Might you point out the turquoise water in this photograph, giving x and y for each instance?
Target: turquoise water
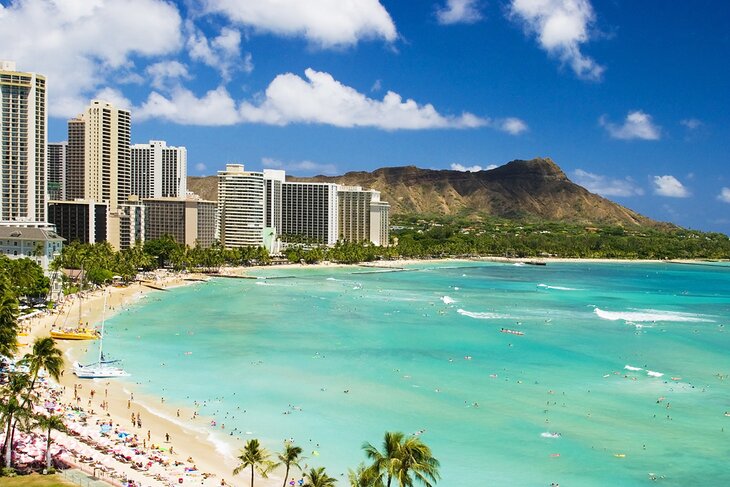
(421, 351)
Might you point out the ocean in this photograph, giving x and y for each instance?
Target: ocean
(621, 373)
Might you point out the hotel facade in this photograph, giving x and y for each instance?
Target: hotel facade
(23, 139)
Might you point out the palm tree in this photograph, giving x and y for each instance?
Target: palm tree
(416, 463)
(289, 457)
(364, 476)
(11, 407)
(50, 423)
(256, 457)
(317, 477)
(403, 459)
(385, 463)
(8, 319)
(45, 356)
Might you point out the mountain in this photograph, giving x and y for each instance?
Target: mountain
(519, 189)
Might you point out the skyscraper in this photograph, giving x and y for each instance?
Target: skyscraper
(158, 171)
(309, 212)
(98, 166)
(23, 137)
(57, 170)
(241, 206)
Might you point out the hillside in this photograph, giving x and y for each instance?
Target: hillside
(519, 189)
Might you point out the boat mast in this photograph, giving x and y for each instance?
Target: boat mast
(101, 338)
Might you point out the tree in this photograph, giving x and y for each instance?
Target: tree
(11, 408)
(385, 462)
(289, 457)
(416, 463)
(256, 457)
(45, 356)
(50, 423)
(317, 477)
(364, 476)
(401, 459)
(8, 319)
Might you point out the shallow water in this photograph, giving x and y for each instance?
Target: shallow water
(421, 351)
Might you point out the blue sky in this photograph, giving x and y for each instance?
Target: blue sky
(630, 98)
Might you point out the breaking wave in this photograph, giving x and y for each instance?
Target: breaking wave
(557, 288)
(481, 316)
(651, 315)
(447, 300)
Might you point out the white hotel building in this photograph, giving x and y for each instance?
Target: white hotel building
(23, 138)
(158, 171)
(241, 206)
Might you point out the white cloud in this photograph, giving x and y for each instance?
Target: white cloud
(200, 167)
(691, 123)
(182, 106)
(605, 186)
(512, 125)
(321, 99)
(165, 72)
(637, 125)
(115, 97)
(327, 23)
(459, 11)
(301, 168)
(474, 168)
(79, 45)
(561, 26)
(377, 86)
(318, 99)
(724, 195)
(221, 53)
(669, 186)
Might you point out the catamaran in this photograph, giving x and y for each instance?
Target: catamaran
(101, 369)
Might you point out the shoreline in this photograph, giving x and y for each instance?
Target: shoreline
(190, 435)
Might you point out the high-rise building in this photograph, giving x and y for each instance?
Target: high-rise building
(98, 166)
(362, 216)
(80, 221)
(57, 170)
(23, 138)
(127, 224)
(309, 212)
(379, 223)
(241, 206)
(273, 179)
(190, 221)
(158, 171)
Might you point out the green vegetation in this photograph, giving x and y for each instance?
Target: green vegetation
(445, 236)
(35, 480)
(404, 461)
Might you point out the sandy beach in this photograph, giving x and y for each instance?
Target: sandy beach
(190, 437)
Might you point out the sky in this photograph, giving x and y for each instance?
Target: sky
(631, 99)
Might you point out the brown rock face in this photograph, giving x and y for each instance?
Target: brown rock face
(519, 189)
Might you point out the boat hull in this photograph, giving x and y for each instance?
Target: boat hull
(98, 372)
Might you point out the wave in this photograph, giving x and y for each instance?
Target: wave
(654, 374)
(651, 315)
(447, 300)
(629, 367)
(518, 264)
(548, 434)
(263, 283)
(481, 316)
(558, 288)
(331, 279)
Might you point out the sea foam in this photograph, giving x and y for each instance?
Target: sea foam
(447, 300)
(557, 288)
(481, 316)
(651, 315)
